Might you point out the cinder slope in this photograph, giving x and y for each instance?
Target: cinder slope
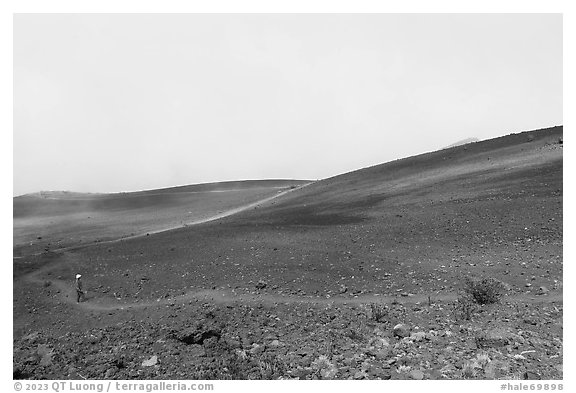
(292, 281)
(529, 162)
(414, 225)
(53, 220)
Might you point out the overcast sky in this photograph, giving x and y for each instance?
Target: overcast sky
(119, 102)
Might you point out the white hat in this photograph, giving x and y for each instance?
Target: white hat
(78, 275)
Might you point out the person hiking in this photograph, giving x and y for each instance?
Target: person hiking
(79, 291)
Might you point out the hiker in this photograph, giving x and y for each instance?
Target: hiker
(79, 292)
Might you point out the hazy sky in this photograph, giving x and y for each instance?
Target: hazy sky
(120, 102)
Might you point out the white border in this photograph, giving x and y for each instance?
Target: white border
(7, 8)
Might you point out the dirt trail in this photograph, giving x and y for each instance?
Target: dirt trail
(196, 222)
(148, 194)
(68, 295)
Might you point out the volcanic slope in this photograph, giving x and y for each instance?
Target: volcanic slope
(54, 220)
(311, 284)
(413, 226)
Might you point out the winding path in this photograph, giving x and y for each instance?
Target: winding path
(165, 229)
(68, 295)
(67, 292)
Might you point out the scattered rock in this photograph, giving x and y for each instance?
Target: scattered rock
(418, 336)
(233, 343)
(46, 360)
(559, 368)
(109, 373)
(416, 374)
(377, 372)
(324, 367)
(150, 362)
(199, 332)
(32, 337)
(542, 291)
(530, 321)
(401, 330)
(530, 375)
(196, 350)
(494, 338)
(382, 354)
(257, 349)
(45, 354)
(380, 342)
(301, 373)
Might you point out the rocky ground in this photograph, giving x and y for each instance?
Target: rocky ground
(201, 340)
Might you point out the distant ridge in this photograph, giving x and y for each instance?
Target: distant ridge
(59, 194)
(463, 142)
(200, 187)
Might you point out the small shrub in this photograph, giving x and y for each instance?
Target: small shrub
(324, 368)
(481, 367)
(354, 334)
(482, 359)
(271, 367)
(490, 371)
(402, 369)
(469, 370)
(378, 312)
(331, 343)
(119, 363)
(484, 291)
(465, 307)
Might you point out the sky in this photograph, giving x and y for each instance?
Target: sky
(125, 102)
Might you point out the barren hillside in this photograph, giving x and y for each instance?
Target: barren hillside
(313, 283)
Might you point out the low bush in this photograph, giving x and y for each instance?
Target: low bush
(484, 291)
(378, 312)
(465, 307)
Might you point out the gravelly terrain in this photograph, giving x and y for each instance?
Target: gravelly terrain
(253, 341)
(312, 284)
